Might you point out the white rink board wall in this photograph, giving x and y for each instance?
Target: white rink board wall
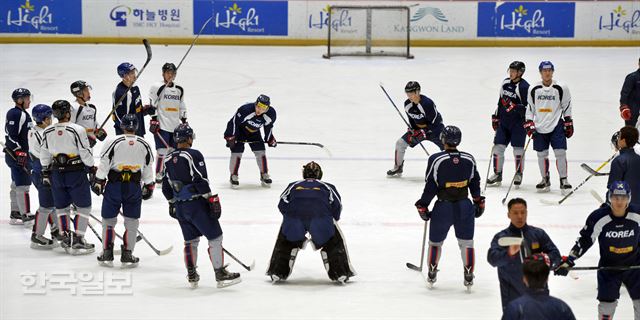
(306, 22)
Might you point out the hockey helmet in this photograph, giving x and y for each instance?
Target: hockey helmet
(20, 93)
(129, 122)
(619, 189)
(60, 108)
(546, 65)
(451, 135)
(183, 132)
(517, 65)
(614, 139)
(78, 86)
(41, 112)
(263, 102)
(169, 67)
(312, 170)
(124, 68)
(412, 86)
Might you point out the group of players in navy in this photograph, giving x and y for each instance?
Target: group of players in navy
(58, 159)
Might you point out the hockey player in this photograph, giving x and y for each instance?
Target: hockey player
(167, 101)
(508, 121)
(425, 121)
(536, 303)
(617, 229)
(509, 260)
(549, 121)
(185, 184)
(245, 126)
(17, 158)
(451, 174)
(132, 102)
(626, 166)
(125, 163)
(312, 206)
(84, 113)
(42, 116)
(66, 157)
(630, 99)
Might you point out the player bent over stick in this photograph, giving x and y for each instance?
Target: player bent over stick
(185, 184)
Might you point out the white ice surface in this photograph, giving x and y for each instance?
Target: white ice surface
(338, 103)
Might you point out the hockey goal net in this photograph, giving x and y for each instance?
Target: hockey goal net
(368, 31)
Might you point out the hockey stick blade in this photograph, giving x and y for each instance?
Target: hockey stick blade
(550, 202)
(596, 196)
(593, 172)
(509, 241)
(413, 267)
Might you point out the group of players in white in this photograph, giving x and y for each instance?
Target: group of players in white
(57, 157)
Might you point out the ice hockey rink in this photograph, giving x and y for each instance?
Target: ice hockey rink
(338, 103)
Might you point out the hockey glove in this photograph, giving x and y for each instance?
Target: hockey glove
(530, 126)
(231, 141)
(97, 186)
(183, 120)
(21, 157)
(46, 178)
(423, 210)
(92, 141)
(418, 135)
(172, 210)
(147, 190)
(214, 206)
(568, 127)
(495, 122)
(564, 267)
(154, 125)
(272, 142)
(625, 112)
(100, 134)
(148, 110)
(507, 104)
(478, 204)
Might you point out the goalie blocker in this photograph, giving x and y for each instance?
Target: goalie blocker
(310, 206)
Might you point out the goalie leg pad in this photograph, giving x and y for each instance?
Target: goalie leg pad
(336, 258)
(283, 257)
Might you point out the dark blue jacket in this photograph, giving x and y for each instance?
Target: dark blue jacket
(510, 267)
(132, 103)
(246, 123)
(423, 115)
(16, 128)
(450, 175)
(538, 305)
(618, 237)
(515, 92)
(626, 167)
(630, 93)
(186, 168)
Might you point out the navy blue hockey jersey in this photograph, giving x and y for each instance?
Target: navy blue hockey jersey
(538, 305)
(423, 115)
(515, 92)
(618, 237)
(450, 175)
(132, 103)
(250, 123)
(16, 129)
(184, 169)
(626, 167)
(310, 198)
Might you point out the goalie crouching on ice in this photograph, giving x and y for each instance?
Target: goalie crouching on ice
(313, 206)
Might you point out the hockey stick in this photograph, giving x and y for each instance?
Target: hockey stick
(424, 241)
(545, 201)
(488, 170)
(315, 144)
(510, 241)
(612, 268)
(504, 200)
(593, 172)
(12, 156)
(596, 196)
(249, 268)
(158, 252)
(115, 105)
(400, 114)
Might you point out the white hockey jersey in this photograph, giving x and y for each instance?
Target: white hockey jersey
(65, 138)
(85, 116)
(126, 152)
(36, 135)
(547, 105)
(169, 104)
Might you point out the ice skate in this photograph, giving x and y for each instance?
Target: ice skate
(517, 180)
(127, 258)
(495, 180)
(235, 183)
(565, 187)
(41, 243)
(106, 258)
(15, 218)
(79, 246)
(468, 278)
(432, 275)
(395, 172)
(225, 278)
(544, 185)
(28, 220)
(193, 277)
(265, 180)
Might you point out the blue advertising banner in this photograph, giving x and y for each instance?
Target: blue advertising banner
(41, 16)
(526, 19)
(248, 18)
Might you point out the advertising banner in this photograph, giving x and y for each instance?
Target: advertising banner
(41, 16)
(526, 19)
(245, 18)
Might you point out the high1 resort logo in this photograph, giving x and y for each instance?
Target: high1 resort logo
(337, 22)
(24, 16)
(618, 19)
(233, 16)
(429, 11)
(521, 20)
